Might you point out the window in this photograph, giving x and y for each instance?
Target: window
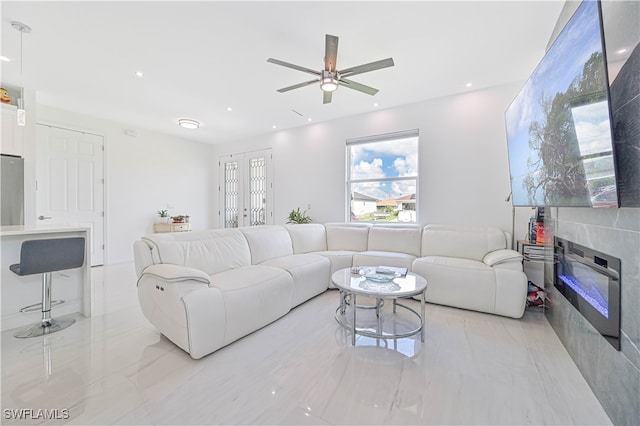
(382, 178)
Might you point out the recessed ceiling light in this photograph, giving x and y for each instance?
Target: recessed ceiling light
(139, 74)
(375, 104)
(273, 127)
(309, 119)
(229, 109)
(469, 84)
(4, 59)
(188, 123)
(621, 51)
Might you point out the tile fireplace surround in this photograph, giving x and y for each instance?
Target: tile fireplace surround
(613, 375)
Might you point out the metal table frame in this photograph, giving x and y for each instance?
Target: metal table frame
(348, 297)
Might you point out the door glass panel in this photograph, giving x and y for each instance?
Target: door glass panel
(257, 191)
(231, 195)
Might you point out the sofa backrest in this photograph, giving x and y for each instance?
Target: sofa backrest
(267, 242)
(459, 241)
(347, 236)
(210, 251)
(307, 237)
(396, 239)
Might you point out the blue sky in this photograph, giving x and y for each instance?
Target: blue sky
(393, 158)
(563, 62)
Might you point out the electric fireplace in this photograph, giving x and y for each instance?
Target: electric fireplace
(590, 280)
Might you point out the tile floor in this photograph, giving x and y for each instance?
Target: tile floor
(116, 369)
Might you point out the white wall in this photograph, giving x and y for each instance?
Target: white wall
(464, 172)
(143, 175)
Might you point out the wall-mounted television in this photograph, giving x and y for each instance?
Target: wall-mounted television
(559, 125)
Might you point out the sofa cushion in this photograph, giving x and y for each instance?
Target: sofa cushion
(339, 259)
(310, 273)
(211, 251)
(395, 239)
(253, 296)
(463, 283)
(461, 242)
(267, 242)
(307, 237)
(347, 236)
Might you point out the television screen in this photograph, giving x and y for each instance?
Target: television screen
(558, 126)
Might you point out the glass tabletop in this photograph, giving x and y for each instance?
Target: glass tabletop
(409, 285)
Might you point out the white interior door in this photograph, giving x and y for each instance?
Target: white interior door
(246, 188)
(70, 182)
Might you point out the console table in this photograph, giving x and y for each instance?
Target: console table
(171, 227)
(534, 257)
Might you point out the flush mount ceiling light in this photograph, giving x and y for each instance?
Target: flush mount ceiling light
(188, 123)
(329, 82)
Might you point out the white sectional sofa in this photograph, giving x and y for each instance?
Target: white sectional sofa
(206, 289)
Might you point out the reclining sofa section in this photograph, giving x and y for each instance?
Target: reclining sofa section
(205, 289)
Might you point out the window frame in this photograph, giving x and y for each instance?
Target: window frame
(349, 182)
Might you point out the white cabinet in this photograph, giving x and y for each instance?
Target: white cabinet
(11, 141)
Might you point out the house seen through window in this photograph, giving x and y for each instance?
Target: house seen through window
(382, 178)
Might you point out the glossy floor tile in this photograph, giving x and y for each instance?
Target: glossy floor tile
(116, 369)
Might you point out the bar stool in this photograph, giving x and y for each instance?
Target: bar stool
(43, 257)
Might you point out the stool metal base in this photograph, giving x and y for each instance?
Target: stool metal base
(45, 327)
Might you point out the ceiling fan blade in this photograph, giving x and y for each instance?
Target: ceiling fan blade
(372, 66)
(297, 86)
(293, 66)
(330, 53)
(326, 98)
(357, 86)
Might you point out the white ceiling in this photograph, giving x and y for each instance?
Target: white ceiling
(199, 58)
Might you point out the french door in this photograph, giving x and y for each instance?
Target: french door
(246, 189)
(70, 182)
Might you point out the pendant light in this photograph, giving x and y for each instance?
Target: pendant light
(23, 28)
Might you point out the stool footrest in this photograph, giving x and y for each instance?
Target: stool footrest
(38, 306)
(45, 327)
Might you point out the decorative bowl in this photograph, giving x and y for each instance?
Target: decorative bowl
(379, 275)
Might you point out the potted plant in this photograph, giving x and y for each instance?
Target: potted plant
(296, 216)
(164, 216)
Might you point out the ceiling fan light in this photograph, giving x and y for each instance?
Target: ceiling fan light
(328, 82)
(188, 123)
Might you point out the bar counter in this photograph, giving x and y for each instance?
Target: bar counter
(73, 286)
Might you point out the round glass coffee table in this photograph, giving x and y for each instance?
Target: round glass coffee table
(378, 283)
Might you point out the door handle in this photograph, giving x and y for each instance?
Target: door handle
(43, 217)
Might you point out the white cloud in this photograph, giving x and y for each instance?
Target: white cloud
(365, 170)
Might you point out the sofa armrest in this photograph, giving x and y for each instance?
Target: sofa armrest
(501, 256)
(174, 273)
(179, 302)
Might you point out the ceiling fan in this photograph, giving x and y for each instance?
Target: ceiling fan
(330, 78)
